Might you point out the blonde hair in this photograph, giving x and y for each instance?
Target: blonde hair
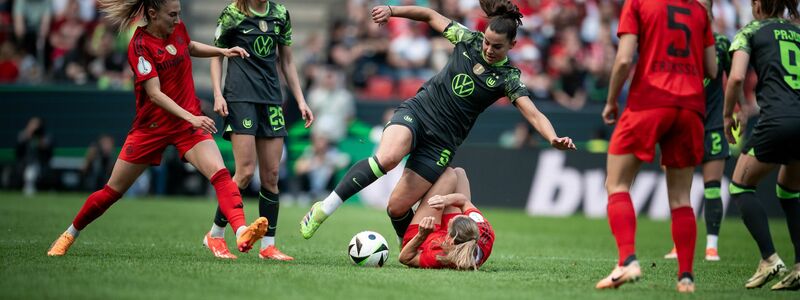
(124, 12)
(461, 254)
(243, 6)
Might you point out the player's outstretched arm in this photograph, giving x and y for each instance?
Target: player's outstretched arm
(409, 255)
(542, 124)
(619, 73)
(290, 73)
(710, 62)
(197, 49)
(152, 87)
(220, 105)
(734, 93)
(382, 13)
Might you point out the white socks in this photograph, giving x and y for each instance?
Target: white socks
(216, 231)
(267, 241)
(74, 232)
(711, 241)
(331, 203)
(240, 230)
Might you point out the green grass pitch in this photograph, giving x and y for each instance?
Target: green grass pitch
(151, 249)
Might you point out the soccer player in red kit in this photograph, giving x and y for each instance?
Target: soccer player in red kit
(666, 105)
(167, 113)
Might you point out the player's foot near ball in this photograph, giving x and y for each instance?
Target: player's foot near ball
(767, 270)
(621, 275)
(61, 245)
(673, 254)
(791, 282)
(217, 246)
(271, 252)
(252, 234)
(685, 285)
(712, 254)
(312, 220)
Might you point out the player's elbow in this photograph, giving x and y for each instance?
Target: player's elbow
(736, 79)
(624, 63)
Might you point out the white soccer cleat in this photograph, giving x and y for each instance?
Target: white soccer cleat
(767, 270)
(621, 275)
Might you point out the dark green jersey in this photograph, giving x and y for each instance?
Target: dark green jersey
(774, 48)
(714, 88)
(254, 79)
(449, 103)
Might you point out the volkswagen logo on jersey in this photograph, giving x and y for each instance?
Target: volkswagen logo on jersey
(144, 67)
(171, 49)
(463, 85)
(262, 45)
(263, 26)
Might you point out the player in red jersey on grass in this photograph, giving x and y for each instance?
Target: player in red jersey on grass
(447, 230)
(167, 113)
(666, 105)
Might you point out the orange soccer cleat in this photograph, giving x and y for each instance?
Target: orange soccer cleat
(685, 285)
(218, 247)
(272, 252)
(673, 254)
(621, 275)
(61, 245)
(252, 234)
(712, 254)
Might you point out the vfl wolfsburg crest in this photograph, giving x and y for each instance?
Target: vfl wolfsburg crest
(408, 119)
(262, 45)
(263, 26)
(247, 123)
(463, 85)
(491, 81)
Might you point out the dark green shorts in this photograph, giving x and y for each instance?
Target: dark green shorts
(775, 141)
(429, 156)
(256, 119)
(716, 147)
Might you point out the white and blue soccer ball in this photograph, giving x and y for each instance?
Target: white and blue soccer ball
(368, 249)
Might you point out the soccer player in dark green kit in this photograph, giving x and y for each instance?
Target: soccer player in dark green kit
(251, 104)
(771, 44)
(716, 148)
(432, 124)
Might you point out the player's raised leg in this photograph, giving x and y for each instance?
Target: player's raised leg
(206, 158)
(122, 177)
(394, 145)
(408, 191)
(788, 192)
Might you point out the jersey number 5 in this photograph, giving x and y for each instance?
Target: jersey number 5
(675, 25)
(790, 54)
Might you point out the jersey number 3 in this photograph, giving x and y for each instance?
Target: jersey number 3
(675, 25)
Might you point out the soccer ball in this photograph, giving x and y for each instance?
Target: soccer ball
(368, 249)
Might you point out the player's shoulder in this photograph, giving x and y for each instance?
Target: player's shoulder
(139, 42)
(278, 10)
(721, 39)
(232, 14)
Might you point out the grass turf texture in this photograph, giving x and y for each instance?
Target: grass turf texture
(152, 248)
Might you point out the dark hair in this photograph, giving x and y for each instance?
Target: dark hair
(125, 12)
(775, 8)
(504, 17)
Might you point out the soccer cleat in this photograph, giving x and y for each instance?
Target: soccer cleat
(272, 252)
(621, 274)
(712, 254)
(673, 254)
(312, 220)
(767, 270)
(61, 245)
(218, 247)
(790, 282)
(685, 285)
(252, 234)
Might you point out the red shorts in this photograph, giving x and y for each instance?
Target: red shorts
(677, 131)
(147, 147)
(413, 229)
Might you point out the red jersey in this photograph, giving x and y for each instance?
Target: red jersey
(169, 60)
(432, 246)
(672, 35)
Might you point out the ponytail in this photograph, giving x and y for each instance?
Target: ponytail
(123, 13)
(504, 17)
(461, 254)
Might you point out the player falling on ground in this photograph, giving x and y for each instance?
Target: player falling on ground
(431, 125)
(716, 148)
(448, 231)
(665, 106)
(251, 106)
(771, 44)
(167, 113)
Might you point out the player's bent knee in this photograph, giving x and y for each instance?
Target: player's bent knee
(395, 209)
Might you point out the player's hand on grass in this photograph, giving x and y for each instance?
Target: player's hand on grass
(610, 112)
(221, 106)
(563, 143)
(426, 226)
(381, 14)
(235, 51)
(204, 123)
(437, 202)
(308, 116)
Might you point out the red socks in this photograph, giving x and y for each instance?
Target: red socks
(684, 235)
(229, 198)
(622, 219)
(97, 203)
